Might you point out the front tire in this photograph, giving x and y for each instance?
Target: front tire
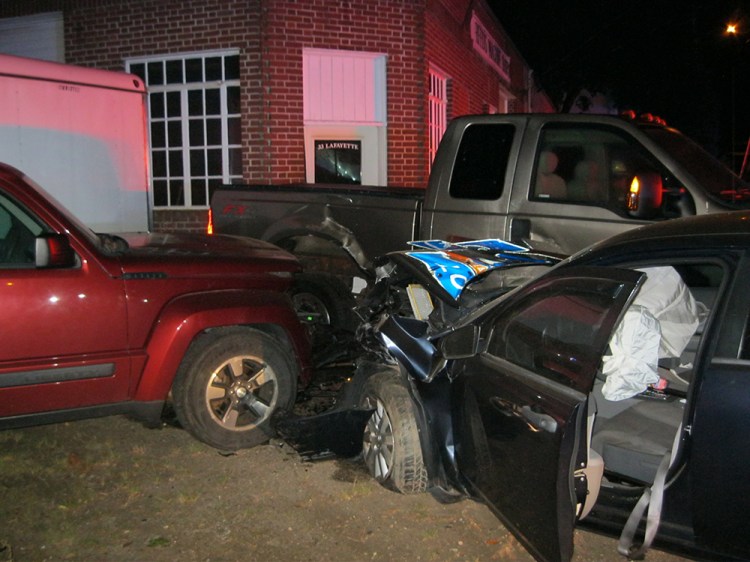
(391, 448)
(230, 383)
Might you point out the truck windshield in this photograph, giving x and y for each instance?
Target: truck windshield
(719, 181)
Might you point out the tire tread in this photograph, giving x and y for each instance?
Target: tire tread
(409, 473)
(189, 387)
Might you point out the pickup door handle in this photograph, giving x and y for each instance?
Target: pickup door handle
(538, 421)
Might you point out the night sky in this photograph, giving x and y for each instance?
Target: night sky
(667, 57)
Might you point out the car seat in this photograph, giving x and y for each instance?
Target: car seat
(587, 184)
(548, 183)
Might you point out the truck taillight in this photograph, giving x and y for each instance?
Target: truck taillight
(210, 225)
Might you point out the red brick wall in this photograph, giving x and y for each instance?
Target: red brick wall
(271, 35)
(449, 46)
(103, 33)
(392, 27)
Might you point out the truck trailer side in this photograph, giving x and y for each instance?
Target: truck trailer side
(80, 132)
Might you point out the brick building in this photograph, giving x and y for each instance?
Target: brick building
(282, 91)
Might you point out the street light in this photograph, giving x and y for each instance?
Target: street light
(732, 30)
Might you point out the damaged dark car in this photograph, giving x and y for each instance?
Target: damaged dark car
(610, 390)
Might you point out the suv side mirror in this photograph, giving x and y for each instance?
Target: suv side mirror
(54, 251)
(645, 195)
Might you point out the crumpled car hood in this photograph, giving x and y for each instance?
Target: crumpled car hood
(446, 268)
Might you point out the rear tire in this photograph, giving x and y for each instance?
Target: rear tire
(324, 302)
(391, 448)
(230, 383)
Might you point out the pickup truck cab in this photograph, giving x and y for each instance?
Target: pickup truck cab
(553, 182)
(97, 324)
(562, 182)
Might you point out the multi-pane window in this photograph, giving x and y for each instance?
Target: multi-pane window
(438, 110)
(195, 124)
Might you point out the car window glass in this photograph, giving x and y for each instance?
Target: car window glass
(559, 331)
(705, 282)
(18, 232)
(746, 341)
(596, 165)
(481, 162)
(716, 178)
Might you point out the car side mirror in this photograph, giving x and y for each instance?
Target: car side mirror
(460, 344)
(54, 251)
(645, 195)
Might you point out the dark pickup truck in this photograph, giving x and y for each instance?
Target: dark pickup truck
(554, 182)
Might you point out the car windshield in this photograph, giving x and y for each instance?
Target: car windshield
(719, 181)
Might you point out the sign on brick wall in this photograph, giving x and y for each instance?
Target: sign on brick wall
(338, 161)
(488, 48)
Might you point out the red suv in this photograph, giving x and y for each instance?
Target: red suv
(99, 324)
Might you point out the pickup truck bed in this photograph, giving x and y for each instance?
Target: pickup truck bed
(377, 219)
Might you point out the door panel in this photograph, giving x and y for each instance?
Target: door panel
(720, 486)
(504, 444)
(64, 339)
(469, 196)
(519, 406)
(720, 414)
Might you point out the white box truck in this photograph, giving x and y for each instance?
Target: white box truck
(81, 133)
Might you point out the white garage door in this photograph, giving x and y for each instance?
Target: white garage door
(40, 36)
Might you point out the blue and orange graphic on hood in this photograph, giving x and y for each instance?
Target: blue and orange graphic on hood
(455, 264)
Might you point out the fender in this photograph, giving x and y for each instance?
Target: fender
(434, 420)
(188, 316)
(312, 221)
(432, 414)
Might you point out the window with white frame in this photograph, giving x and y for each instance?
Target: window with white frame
(344, 87)
(195, 124)
(345, 114)
(504, 98)
(438, 99)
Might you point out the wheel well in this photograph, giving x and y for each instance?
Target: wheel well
(427, 437)
(433, 416)
(272, 330)
(318, 253)
(269, 329)
(257, 377)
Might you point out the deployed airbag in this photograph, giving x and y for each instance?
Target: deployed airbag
(658, 324)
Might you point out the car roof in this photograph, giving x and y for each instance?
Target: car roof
(730, 229)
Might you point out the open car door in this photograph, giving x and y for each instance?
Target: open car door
(519, 405)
